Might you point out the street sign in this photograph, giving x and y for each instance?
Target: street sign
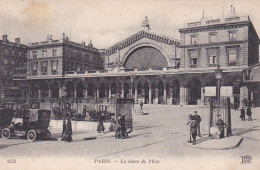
(226, 91)
(210, 91)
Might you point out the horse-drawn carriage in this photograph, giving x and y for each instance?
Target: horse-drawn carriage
(34, 124)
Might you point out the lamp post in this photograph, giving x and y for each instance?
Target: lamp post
(218, 74)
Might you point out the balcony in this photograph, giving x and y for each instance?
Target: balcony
(231, 64)
(211, 65)
(193, 66)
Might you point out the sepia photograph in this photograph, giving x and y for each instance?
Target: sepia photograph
(129, 84)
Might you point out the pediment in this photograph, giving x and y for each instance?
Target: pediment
(138, 36)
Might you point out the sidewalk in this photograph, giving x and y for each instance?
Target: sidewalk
(217, 144)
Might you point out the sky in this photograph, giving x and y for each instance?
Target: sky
(107, 22)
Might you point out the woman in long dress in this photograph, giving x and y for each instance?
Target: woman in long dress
(68, 137)
(101, 124)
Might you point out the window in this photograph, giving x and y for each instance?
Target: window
(213, 60)
(20, 63)
(194, 58)
(194, 39)
(20, 53)
(44, 54)
(232, 57)
(232, 35)
(34, 68)
(34, 54)
(44, 67)
(54, 65)
(54, 52)
(13, 53)
(212, 38)
(13, 62)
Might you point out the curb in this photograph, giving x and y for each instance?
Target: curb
(216, 148)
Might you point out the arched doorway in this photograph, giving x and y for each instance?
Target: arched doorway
(80, 90)
(158, 91)
(102, 90)
(70, 89)
(194, 91)
(91, 89)
(126, 90)
(55, 90)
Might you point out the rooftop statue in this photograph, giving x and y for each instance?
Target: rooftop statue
(145, 23)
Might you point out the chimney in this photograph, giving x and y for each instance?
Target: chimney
(4, 37)
(17, 40)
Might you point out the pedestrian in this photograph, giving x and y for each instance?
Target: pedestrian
(101, 123)
(198, 119)
(249, 113)
(63, 129)
(117, 127)
(84, 111)
(68, 137)
(123, 128)
(112, 125)
(193, 129)
(141, 105)
(242, 113)
(221, 127)
(188, 122)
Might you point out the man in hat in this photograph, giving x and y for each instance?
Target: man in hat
(68, 137)
(242, 113)
(198, 120)
(123, 128)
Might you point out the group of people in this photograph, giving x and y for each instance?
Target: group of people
(247, 112)
(119, 127)
(194, 122)
(66, 130)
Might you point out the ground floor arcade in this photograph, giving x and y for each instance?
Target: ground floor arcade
(172, 89)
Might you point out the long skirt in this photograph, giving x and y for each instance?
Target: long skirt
(67, 137)
(100, 127)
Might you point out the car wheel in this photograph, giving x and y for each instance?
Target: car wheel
(31, 135)
(6, 133)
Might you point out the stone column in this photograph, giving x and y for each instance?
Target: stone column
(165, 94)
(150, 95)
(109, 92)
(136, 97)
(50, 93)
(156, 95)
(183, 95)
(122, 91)
(97, 92)
(39, 94)
(171, 95)
(202, 95)
(75, 92)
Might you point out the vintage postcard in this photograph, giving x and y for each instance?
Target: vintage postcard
(148, 84)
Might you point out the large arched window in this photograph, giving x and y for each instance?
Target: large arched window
(144, 58)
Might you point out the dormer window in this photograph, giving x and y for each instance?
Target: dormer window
(44, 54)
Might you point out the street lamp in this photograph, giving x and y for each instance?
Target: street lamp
(218, 74)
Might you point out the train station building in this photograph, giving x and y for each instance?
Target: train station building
(146, 66)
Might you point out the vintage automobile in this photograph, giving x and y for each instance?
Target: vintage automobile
(6, 116)
(34, 124)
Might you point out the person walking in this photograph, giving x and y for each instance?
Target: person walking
(188, 122)
(63, 129)
(193, 129)
(141, 105)
(117, 127)
(84, 111)
(123, 128)
(221, 126)
(101, 123)
(198, 120)
(249, 113)
(68, 137)
(242, 113)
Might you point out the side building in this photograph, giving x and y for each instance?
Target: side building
(49, 60)
(12, 65)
